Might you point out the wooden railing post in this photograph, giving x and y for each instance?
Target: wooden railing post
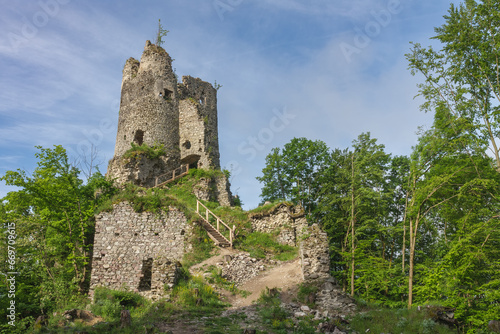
(219, 222)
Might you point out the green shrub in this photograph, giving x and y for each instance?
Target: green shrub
(202, 247)
(217, 279)
(278, 318)
(124, 298)
(108, 309)
(152, 152)
(387, 320)
(194, 292)
(109, 303)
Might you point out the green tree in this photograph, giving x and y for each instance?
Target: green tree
(53, 214)
(292, 173)
(275, 183)
(463, 76)
(352, 203)
(453, 183)
(160, 33)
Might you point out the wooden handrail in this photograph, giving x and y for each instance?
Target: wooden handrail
(173, 174)
(219, 221)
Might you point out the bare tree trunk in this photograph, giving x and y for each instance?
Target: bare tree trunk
(352, 227)
(403, 250)
(410, 279)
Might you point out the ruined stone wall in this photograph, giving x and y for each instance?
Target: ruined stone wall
(287, 220)
(291, 227)
(198, 131)
(214, 190)
(140, 170)
(314, 254)
(139, 251)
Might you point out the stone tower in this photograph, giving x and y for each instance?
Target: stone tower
(198, 123)
(157, 110)
(149, 107)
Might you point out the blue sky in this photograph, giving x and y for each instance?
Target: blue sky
(323, 69)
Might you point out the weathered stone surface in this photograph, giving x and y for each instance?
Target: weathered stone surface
(148, 107)
(140, 171)
(125, 319)
(214, 190)
(241, 267)
(314, 256)
(494, 326)
(335, 301)
(198, 122)
(289, 221)
(157, 110)
(139, 251)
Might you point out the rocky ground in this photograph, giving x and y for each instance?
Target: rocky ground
(254, 276)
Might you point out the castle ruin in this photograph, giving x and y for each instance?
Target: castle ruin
(157, 110)
(141, 251)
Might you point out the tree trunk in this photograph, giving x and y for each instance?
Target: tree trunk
(352, 228)
(413, 238)
(403, 250)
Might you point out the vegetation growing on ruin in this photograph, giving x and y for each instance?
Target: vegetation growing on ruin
(160, 33)
(260, 245)
(151, 152)
(267, 209)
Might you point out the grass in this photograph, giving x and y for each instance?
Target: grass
(260, 244)
(224, 325)
(268, 208)
(386, 320)
(217, 279)
(202, 247)
(278, 320)
(305, 292)
(193, 292)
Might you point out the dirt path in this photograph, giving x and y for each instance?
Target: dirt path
(285, 276)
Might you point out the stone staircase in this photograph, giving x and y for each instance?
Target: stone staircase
(214, 232)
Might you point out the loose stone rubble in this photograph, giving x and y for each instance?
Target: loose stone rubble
(241, 267)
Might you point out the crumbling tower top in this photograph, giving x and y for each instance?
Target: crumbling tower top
(148, 107)
(157, 110)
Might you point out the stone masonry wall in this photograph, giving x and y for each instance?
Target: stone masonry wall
(139, 251)
(314, 255)
(282, 218)
(214, 190)
(140, 171)
(198, 123)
